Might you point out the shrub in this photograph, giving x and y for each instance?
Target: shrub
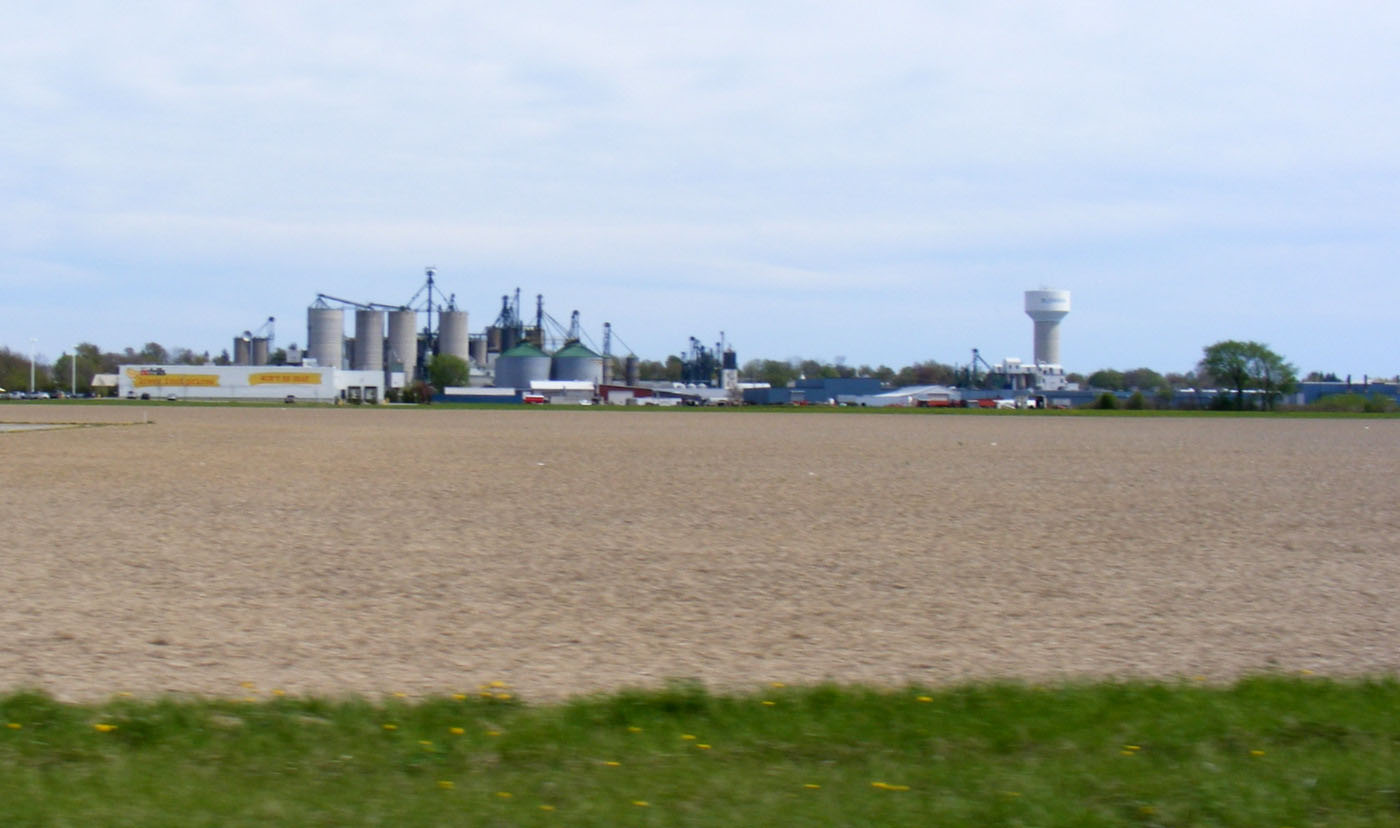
(1106, 401)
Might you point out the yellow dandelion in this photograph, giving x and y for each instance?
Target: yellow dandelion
(1011, 794)
(279, 692)
(641, 803)
(767, 703)
(689, 737)
(1128, 752)
(14, 725)
(503, 696)
(249, 699)
(925, 699)
(504, 794)
(493, 733)
(104, 727)
(425, 743)
(400, 695)
(1198, 678)
(812, 786)
(1147, 810)
(1132, 747)
(456, 731)
(703, 747)
(777, 684)
(459, 696)
(610, 763)
(445, 784)
(546, 807)
(634, 729)
(498, 684)
(885, 786)
(1306, 672)
(126, 694)
(247, 685)
(387, 726)
(1256, 752)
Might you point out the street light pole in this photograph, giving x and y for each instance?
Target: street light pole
(32, 343)
(73, 364)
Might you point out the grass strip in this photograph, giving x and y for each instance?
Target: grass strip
(1269, 750)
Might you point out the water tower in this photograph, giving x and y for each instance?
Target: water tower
(1046, 308)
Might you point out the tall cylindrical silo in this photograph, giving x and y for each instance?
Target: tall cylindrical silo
(403, 343)
(452, 335)
(576, 363)
(325, 336)
(259, 355)
(478, 350)
(520, 366)
(493, 340)
(241, 352)
(369, 341)
(632, 369)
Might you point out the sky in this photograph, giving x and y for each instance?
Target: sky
(871, 182)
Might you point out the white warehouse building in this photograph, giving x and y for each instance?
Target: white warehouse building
(249, 382)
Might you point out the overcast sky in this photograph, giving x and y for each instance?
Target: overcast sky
(878, 181)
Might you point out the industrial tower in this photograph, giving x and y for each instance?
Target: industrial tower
(1046, 308)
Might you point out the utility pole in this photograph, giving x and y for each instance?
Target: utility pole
(32, 343)
(73, 365)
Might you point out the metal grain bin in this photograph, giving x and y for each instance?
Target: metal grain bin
(577, 363)
(521, 365)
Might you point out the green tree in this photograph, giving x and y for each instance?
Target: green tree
(448, 370)
(1240, 365)
(1142, 379)
(1107, 379)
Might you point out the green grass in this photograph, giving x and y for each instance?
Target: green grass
(1266, 751)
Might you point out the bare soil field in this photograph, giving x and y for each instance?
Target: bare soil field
(428, 551)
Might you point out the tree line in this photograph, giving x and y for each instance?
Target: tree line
(1255, 375)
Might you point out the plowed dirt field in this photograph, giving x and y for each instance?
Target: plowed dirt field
(429, 551)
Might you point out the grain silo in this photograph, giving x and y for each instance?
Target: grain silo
(241, 350)
(576, 363)
(369, 341)
(521, 365)
(632, 370)
(325, 336)
(259, 355)
(452, 335)
(403, 343)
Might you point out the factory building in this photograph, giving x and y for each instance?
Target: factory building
(268, 383)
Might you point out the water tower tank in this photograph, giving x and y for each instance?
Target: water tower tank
(259, 355)
(1046, 308)
(521, 365)
(403, 342)
(577, 363)
(369, 341)
(452, 335)
(325, 336)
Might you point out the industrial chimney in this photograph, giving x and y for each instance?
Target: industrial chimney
(1047, 308)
